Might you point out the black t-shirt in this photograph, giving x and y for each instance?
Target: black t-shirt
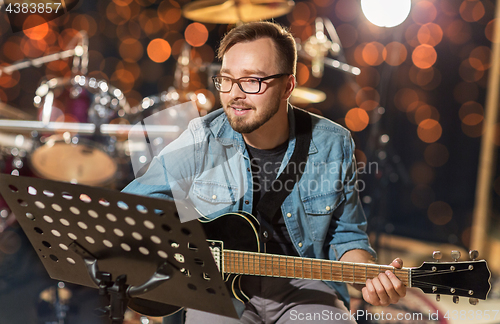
(265, 165)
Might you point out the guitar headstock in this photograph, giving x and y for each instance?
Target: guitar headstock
(457, 278)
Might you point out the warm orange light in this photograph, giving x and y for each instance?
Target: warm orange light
(159, 50)
(472, 11)
(424, 56)
(323, 3)
(347, 10)
(473, 130)
(372, 53)
(12, 49)
(302, 74)
(365, 94)
(131, 50)
(422, 77)
(118, 15)
(9, 80)
(122, 3)
(404, 97)
(394, 53)
(169, 12)
(40, 30)
(411, 35)
(440, 213)
(423, 12)
(470, 107)
(436, 154)
(369, 77)
(488, 31)
(196, 34)
(426, 112)
(479, 58)
(429, 130)
(430, 34)
(85, 22)
(302, 14)
(356, 119)
(458, 32)
(468, 73)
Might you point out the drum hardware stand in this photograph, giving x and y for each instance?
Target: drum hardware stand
(80, 50)
(75, 227)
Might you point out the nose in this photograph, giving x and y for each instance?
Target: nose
(236, 92)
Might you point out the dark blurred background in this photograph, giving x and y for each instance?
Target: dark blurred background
(416, 109)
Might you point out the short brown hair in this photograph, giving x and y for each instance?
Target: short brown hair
(283, 40)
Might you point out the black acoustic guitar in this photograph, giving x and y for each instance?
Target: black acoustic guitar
(236, 249)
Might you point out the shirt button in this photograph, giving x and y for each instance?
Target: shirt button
(247, 202)
(214, 197)
(288, 215)
(248, 169)
(327, 207)
(300, 244)
(265, 234)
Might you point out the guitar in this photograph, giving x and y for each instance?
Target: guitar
(237, 254)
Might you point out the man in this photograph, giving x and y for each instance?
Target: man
(226, 161)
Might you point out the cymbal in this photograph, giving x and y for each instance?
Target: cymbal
(11, 112)
(302, 95)
(234, 11)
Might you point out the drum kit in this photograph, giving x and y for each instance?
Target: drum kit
(84, 129)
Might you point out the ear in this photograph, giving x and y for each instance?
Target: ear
(290, 85)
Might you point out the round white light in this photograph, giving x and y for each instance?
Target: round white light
(386, 13)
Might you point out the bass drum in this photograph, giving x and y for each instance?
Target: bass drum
(77, 157)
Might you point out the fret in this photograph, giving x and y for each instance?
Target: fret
(253, 263)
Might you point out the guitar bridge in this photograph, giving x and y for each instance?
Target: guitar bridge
(216, 248)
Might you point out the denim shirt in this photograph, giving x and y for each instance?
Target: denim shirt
(209, 166)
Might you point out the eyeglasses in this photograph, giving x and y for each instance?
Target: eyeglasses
(247, 84)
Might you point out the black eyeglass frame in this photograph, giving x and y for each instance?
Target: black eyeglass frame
(237, 81)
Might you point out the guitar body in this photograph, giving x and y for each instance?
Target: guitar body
(238, 231)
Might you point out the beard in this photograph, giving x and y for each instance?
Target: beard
(245, 124)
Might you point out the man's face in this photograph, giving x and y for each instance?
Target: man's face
(247, 112)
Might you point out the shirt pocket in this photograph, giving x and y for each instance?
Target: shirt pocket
(211, 197)
(319, 210)
(322, 204)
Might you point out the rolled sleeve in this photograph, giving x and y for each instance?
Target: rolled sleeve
(349, 229)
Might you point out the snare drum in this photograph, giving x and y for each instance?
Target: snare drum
(77, 158)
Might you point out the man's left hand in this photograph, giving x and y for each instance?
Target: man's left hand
(386, 288)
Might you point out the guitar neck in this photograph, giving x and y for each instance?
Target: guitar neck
(273, 265)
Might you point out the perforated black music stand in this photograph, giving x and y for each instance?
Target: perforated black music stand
(83, 233)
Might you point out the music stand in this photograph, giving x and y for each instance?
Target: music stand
(89, 236)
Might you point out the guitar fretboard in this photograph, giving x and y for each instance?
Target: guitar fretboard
(273, 265)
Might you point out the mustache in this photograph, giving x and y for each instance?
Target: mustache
(239, 104)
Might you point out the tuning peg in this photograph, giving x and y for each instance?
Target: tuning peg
(473, 301)
(436, 255)
(473, 254)
(438, 297)
(455, 255)
(455, 299)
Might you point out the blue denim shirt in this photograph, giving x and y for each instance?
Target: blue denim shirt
(209, 166)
